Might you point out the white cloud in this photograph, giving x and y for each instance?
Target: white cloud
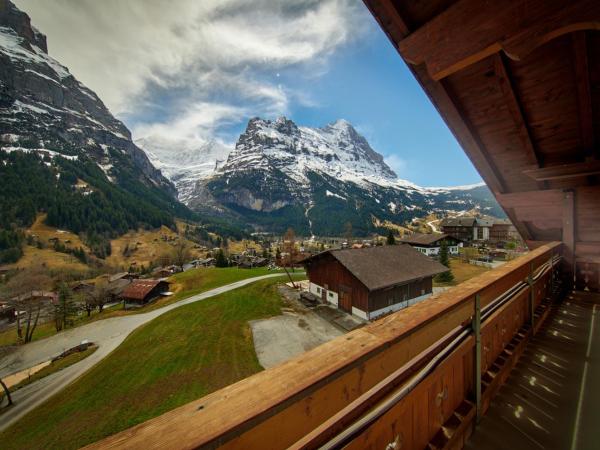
(397, 164)
(127, 50)
(197, 121)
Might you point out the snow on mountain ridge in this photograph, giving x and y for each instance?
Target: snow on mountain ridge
(184, 161)
(336, 150)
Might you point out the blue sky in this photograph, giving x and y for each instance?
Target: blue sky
(198, 70)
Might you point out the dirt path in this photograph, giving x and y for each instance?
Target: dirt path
(107, 334)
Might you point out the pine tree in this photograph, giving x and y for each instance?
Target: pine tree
(221, 259)
(391, 240)
(445, 277)
(65, 309)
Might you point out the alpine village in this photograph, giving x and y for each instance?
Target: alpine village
(234, 278)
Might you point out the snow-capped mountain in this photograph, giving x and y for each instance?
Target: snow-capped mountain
(185, 161)
(44, 107)
(317, 179)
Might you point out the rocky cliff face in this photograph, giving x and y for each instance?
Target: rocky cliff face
(43, 106)
(317, 180)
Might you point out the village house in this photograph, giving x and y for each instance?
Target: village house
(430, 244)
(141, 292)
(371, 282)
(116, 289)
(474, 229)
(123, 275)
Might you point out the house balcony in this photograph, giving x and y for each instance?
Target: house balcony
(503, 357)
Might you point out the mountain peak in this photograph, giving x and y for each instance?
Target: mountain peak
(340, 124)
(15, 19)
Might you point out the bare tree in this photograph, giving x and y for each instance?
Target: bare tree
(25, 291)
(289, 244)
(98, 297)
(5, 351)
(181, 253)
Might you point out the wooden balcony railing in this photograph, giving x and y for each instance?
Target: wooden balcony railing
(410, 378)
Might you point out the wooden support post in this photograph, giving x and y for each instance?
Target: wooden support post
(552, 274)
(476, 325)
(531, 297)
(568, 235)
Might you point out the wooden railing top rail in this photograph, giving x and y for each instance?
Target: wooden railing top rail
(305, 383)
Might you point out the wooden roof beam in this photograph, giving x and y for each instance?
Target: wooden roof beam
(584, 98)
(450, 109)
(564, 171)
(389, 18)
(471, 30)
(516, 110)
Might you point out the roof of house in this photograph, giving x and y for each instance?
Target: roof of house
(425, 239)
(118, 286)
(139, 289)
(458, 222)
(381, 267)
(117, 276)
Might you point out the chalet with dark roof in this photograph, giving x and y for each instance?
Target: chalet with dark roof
(371, 282)
(144, 291)
(430, 244)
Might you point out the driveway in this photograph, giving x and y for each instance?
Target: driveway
(282, 337)
(107, 334)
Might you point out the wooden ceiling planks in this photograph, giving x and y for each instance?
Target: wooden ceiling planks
(518, 83)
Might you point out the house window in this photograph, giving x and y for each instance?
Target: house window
(331, 294)
(318, 290)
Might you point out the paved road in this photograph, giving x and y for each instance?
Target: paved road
(107, 334)
(434, 228)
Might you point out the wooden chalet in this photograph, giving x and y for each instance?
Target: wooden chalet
(430, 244)
(518, 83)
(371, 282)
(141, 292)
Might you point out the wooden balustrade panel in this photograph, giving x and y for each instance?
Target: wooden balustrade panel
(414, 421)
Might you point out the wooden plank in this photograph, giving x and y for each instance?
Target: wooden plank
(584, 97)
(516, 110)
(276, 407)
(564, 171)
(480, 29)
(531, 198)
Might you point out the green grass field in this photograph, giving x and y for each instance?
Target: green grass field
(185, 285)
(462, 272)
(178, 357)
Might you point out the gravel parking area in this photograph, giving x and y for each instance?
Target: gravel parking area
(281, 338)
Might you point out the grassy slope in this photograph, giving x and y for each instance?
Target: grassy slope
(150, 248)
(184, 284)
(179, 357)
(47, 256)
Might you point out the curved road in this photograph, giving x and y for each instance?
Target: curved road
(106, 333)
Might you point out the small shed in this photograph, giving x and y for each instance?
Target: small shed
(144, 291)
(371, 282)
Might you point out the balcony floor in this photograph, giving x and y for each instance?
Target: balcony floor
(551, 399)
